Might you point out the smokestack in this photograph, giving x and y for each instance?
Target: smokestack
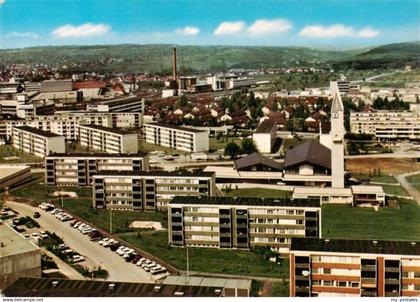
(174, 75)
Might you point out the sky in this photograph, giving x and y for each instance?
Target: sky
(329, 23)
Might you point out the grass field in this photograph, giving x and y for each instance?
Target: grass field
(218, 144)
(8, 150)
(208, 260)
(388, 179)
(387, 166)
(365, 223)
(255, 192)
(146, 147)
(280, 289)
(415, 181)
(394, 190)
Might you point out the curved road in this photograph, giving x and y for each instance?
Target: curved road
(118, 269)
(408, 187)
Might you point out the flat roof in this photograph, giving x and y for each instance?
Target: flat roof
(107, 129)
(154, 173)
(207, 281)
(187, 129)
(245, 201)
(51, 287)
(317, 190)
(37, 131)
(9, 170)
(14, 243)
(356, 246)
(367, 190)
(266, 126)
(61, 155)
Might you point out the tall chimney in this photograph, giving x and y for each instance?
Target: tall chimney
(174, 75)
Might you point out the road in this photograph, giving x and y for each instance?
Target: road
(408, 187)
(118, 269)
(410, 154)
(372, 78)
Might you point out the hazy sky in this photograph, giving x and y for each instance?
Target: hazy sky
(202, 22)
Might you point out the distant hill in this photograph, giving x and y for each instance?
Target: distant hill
(157, 58)
(385, 56)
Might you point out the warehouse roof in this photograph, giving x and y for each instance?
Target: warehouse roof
(356, 246)
(245, 201)
(43, 287)
(311, 152)
(13, 243)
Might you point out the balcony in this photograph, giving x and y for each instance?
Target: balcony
(369, 267)
(369, 282)
(392, 269)
(392, 294)
(368, 293)
(392, 281)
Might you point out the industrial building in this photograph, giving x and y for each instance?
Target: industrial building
(120, 104)
(387, 125)
(242, 223)
(354, 268)
(14, 175)
(78, 169)
(176, 137)
(37, 142)
(19, 257)
(140, 190)
(107, 140)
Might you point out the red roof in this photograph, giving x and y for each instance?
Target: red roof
(89, 84)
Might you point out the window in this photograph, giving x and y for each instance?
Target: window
(342, 284)
(327, 271)
(354, 284)
(327, 283)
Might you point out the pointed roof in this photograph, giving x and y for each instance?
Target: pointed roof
(255, 159)
(311, 152)
(337, 104)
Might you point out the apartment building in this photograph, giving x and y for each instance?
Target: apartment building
(242, 223)
(66, 123)
(140, 190)
(387, 125)
(180, 138)
(108, 140)
(78, 169)
(265, 136)
(354, 268)
(37, 142)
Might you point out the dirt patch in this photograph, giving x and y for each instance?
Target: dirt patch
(385, 165)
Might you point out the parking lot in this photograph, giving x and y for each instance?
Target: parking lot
(119, 264)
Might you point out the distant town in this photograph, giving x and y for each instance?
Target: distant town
(236, 183)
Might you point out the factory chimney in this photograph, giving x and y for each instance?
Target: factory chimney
(174, 75)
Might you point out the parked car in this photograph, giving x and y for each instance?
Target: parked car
(37, 215)
(43, 234)
(158, 270)
(63, 246)
(114, 247)
(76, 258)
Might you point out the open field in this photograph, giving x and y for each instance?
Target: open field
(364, 223)
(218, 144)
(208, 260)
(8, 150)
(415, 181)
(255, 192)
(386, 166)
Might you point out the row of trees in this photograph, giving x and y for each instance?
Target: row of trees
(247, 147)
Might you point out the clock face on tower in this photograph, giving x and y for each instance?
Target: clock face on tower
(335, 115)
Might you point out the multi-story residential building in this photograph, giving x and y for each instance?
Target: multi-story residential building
(139, 190)
(38, 142)
(121, 104)
(355, 268)
(108, 140)
(180, 138)
(242, 223)
(387, 125)
(66, 123)
(342, 84)
(77, 169)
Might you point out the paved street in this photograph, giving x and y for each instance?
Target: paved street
(118, 269)
(408, 187)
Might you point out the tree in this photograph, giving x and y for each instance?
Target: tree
(183, 101)
(232, 150)
(248, 146)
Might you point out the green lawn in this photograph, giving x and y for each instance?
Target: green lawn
(255, 192)
(415, 181)
(394, 190)
(8, 150)
(208, 260)
(388, 179)
(146, 147)
(218, 144)
(365, 223)
(280, 289)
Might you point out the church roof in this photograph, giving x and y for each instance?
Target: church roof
(255, 159)
(311, 152)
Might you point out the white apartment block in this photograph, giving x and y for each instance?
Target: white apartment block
(265, 136)
(78, 169)
(122, 104)
(387, 124)
(37, 142)
(180, 138)
(107, 139)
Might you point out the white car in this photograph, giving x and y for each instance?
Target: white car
(35, 235)
(77, 258)
(149, 266)
(82, 226)
(87, 230)
(140, 261)
(157, 270)
(77, 224)
(104, 240)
